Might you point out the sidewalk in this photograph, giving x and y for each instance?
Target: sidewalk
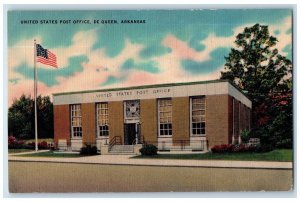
(127, 160)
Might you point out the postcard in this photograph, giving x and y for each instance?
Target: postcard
(150, 100)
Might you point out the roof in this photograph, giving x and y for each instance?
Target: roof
(153, 86)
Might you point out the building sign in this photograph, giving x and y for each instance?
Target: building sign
(133, 93)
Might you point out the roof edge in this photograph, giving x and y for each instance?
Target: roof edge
(154, 86)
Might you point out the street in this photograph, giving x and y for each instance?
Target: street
(26, 177)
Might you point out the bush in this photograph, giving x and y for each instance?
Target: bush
(13, 143)
(245, 136)
(11, 140)
(264, 148)
(240, 148)
(284, 144)
(223, 148)
(88, 150)
(28, 146)
(43, 145)
(148, 150)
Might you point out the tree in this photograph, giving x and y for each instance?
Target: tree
(21, 117)
(257, 68)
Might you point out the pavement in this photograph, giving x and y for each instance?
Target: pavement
(128, 160)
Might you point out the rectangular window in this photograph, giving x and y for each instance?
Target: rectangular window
(165, 117)
(76, 121)
(198, 116)
(102, 119)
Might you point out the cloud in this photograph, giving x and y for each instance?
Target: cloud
(216, 60)
(150, 66)
(111, 80)
(181, 50)
(284, 36)
(288, 51)
(49, 76)
(172, 47)
(154, 50)
(21, 53)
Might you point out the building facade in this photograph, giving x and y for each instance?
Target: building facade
(185, 116)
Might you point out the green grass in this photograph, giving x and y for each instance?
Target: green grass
(284, 155)
(12, 151)
(51, 154)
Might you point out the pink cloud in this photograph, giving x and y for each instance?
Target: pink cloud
(141, 78)
(181, 50)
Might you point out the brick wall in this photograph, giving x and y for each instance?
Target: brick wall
(88, 123)
(241, 119)
(180, 119)
(230, 119)
(217, 119)
(244, 124)
(236, 120)
(116, 120)
(62, 122)
(149, 119)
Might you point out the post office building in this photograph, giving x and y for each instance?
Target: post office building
(175, 117)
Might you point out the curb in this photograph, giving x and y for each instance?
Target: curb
(156, 165)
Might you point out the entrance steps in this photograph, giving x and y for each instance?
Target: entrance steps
(121, 149)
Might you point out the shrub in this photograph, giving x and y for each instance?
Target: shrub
(88, 150)
(148, 150)
(13, 143)
(11, 140)
(245, 136)
(223, 148)
(43, 145)
(31, 144)
(240, 148)
(284, 144)
(28, 146)
(264, 148)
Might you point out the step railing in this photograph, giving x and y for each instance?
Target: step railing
(116, 140)
(140, 140)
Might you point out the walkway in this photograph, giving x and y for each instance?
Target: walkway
(127, 160)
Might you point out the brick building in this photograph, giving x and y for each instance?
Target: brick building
(183, 116)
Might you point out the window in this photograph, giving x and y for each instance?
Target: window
(165, 117)
(102, 119)
(198, 116)
(76, 128)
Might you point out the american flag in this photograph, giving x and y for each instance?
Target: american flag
(45, 56)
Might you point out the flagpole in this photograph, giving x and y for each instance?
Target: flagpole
(35, 98)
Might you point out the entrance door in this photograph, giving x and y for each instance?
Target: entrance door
(129, 133)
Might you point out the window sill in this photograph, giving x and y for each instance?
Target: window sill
(102, 137)
(170, 136)
(76, 138)
(197, 135)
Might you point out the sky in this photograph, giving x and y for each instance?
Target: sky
(172, 46)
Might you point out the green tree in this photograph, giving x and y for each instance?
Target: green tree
(265, 76)
(21, 117)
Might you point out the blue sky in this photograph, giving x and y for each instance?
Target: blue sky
(172, 46)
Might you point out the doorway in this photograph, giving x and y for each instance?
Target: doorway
(129, 133)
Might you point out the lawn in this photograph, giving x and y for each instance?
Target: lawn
(276, 155)
(12, 151)
(51, 154)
